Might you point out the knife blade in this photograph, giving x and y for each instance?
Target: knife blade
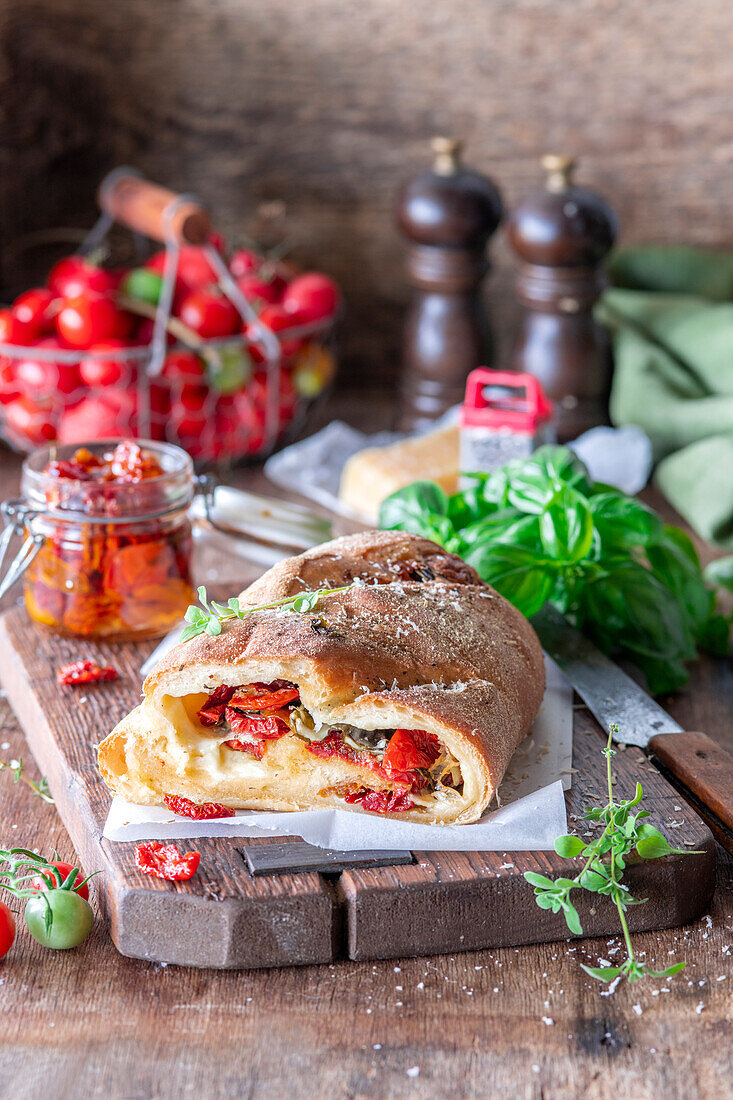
(699, 768)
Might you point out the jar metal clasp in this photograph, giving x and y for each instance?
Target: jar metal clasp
(17, 518)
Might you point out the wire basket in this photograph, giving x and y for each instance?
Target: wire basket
(222, 400)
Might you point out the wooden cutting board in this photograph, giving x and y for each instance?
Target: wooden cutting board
(225, 917)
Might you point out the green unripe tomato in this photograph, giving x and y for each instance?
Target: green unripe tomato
(71, 918)
(230, 368)
(142, 285)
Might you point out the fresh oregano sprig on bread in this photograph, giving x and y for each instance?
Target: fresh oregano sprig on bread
(208, 618)
(604, 863)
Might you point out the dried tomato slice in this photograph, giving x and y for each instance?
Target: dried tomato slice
(254, 748)
(410, 749)
(381, 802)
(211, 713)
(267, 728)
(165, 861)
(85, 672)
(264, 697)
(198, 811)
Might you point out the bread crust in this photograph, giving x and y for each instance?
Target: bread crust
(450, 656)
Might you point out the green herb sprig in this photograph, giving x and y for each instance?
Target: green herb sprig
(602, 871)
(40, 788)
(540, 529)
(208, 618)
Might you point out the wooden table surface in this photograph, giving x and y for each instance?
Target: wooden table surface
(517, 1022)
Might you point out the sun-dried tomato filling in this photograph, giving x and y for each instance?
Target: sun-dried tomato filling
(254, 713)
(411, 761)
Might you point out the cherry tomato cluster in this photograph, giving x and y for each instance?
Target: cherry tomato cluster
(214, 395)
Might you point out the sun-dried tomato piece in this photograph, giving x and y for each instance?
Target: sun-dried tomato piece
(267, 728)
(410, 749)
(85, 672)
(381, 802)
(212, 711)
(254, 748)
(198, 811)
(165, 861)
(265, 696)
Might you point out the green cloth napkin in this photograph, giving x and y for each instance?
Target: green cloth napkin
(670, 312)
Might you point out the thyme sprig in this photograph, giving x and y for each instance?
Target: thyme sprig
(602, 871)
(40, 788)
(208, 618)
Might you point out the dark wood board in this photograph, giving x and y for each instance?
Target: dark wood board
(225, 918)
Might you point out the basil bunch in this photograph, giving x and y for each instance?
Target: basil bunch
(539, 529)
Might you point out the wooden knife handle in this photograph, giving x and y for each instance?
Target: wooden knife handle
(705, 770)
(141, 205)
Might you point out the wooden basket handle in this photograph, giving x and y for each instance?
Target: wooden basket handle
(153, 210)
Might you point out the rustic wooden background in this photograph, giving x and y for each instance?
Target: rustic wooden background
(327, 104)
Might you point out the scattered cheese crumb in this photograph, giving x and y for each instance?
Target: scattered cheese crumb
(637, 1009)
(548, 1020)
(413, 1071)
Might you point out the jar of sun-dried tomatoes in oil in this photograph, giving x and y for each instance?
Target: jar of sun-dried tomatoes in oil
(109, 538)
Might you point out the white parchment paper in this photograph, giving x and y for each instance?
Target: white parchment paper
(530, 816)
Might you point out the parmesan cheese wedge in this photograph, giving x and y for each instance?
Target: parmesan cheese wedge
(372, 474)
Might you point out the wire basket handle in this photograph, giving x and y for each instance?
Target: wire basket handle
(152, 210)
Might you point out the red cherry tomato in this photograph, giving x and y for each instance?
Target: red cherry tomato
(38, 377)
(46, 880)
(104, 370)
(209, 314)
(13, 330)
(8, 385)
(7, 929)
(193, 398)
(75, 275)
(312, 296)
(90, 318)
(244, 262)
(183, 368)
(279, 321)
(29, 421)
(194, 270)
(256, 289)
(35, 309)
(111, 414)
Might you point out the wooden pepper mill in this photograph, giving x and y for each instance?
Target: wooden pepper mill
(447, 216)
(561, 235)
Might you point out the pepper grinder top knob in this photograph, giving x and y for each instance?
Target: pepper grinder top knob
(562, 225)
(447, 155)
(449, 206)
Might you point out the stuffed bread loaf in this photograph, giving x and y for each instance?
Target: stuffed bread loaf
(405, 695)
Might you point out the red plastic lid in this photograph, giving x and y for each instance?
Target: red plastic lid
(504, 399)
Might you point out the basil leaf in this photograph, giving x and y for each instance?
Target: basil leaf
(413, 508)
(468, 507)
(622, 521)
(524, 577)
(531, 483)
(566, 526)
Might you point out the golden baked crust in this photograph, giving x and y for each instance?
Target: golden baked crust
(455, 659)
(373, 556)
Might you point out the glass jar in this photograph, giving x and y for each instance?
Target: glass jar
(110, 538)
